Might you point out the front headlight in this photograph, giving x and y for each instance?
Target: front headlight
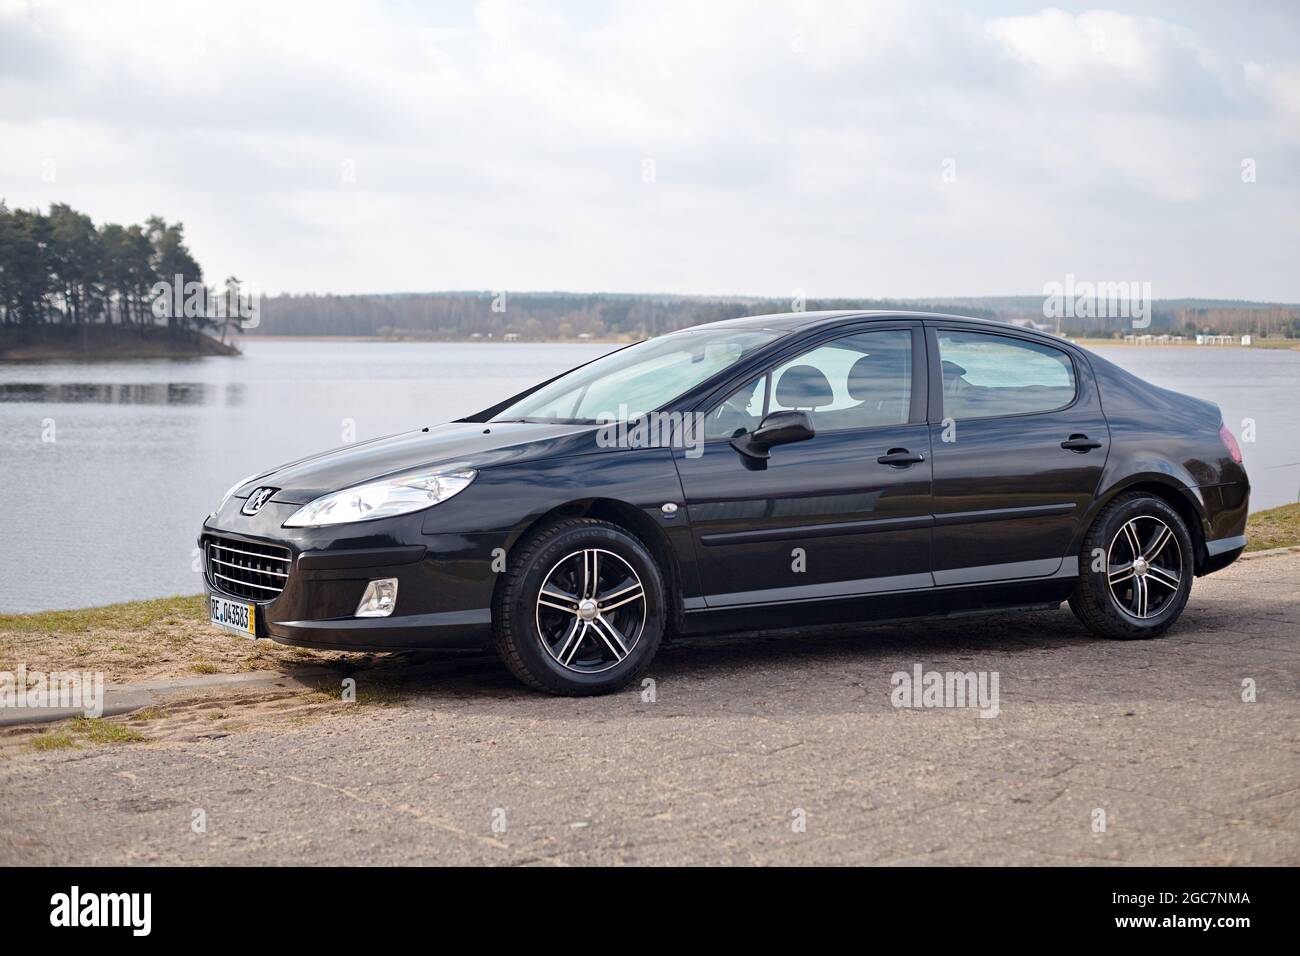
(380, 499)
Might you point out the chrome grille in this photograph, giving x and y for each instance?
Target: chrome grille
(246, 569)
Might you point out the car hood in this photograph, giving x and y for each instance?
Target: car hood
(454, 446)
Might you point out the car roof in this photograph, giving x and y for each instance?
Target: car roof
(792, 321)
(778, 321)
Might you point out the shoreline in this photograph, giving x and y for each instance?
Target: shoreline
(109, 343)
(1260, 345)
(1267, 345)
(100, 343)
(415, 339)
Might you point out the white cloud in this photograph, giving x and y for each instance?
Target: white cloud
(794, 144)
(1278, 84)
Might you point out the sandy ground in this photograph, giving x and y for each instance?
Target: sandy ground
(177, 644)
(756, 748)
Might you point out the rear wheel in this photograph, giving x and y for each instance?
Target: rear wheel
(581, 610)
(1136, 569)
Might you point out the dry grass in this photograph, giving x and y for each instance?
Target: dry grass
(1275, 528)
(149, 640)
(185, 717)
(97, 730)
(73, 733)
(52, 740)
(141, 640)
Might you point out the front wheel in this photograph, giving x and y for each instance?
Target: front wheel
(1136, 569)
(581, 609)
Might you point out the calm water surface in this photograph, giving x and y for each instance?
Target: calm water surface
(107, 468)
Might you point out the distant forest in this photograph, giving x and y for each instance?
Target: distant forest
(528, 315)
(59, 269)
(561, 315)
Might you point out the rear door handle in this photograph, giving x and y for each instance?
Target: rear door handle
(900, 458)
(1080, 443)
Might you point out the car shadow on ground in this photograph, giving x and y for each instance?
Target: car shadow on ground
(750, 661)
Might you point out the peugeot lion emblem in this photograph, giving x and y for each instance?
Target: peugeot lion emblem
(259, 497)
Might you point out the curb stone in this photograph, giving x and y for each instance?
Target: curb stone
(124, 698)
(1270, 552)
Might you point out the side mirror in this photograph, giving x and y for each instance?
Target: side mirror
(778, 428)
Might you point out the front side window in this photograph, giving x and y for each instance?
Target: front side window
(858, 381)
(986, 376)
(638, 379)
(739, 412)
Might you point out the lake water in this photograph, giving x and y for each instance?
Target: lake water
(107, 468)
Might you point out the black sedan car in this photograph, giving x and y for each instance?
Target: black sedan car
(780, 470)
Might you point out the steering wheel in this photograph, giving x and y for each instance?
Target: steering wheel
(735, 408)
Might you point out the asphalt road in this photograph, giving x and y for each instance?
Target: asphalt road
(757, 749)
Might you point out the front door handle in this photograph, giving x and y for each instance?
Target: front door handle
(900, 458)
(1080, 443)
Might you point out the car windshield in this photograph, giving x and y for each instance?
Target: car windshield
(637, 379)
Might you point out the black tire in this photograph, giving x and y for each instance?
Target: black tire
(1115, 611)
(530, 637)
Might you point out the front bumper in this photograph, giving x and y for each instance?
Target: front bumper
(445, 582)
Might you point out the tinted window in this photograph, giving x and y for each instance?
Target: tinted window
(739, 412)
(858, 381)
(989, 375)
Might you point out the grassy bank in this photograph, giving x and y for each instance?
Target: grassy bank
(98, 342)
(1275, 528)
(139, 640)
(171, 637)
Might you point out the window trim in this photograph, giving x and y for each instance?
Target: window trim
(921, 374)
(932, 331)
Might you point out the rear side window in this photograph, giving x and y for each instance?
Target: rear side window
(990, 375)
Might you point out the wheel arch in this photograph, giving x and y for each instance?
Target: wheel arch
(632, 520)
(1182, 498)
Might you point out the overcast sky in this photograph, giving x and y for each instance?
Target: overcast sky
(842, 148)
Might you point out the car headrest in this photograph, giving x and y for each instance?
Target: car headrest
(951, 370)
(804, 386)
(881, 374)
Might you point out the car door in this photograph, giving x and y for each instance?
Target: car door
(825, 517)
(1019, 442)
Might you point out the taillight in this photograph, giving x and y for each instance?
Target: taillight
(1230, 443)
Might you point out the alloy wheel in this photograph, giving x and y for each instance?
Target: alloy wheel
(1144, 567)
(591, 611)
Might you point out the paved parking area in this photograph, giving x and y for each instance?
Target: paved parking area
(757, 748)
